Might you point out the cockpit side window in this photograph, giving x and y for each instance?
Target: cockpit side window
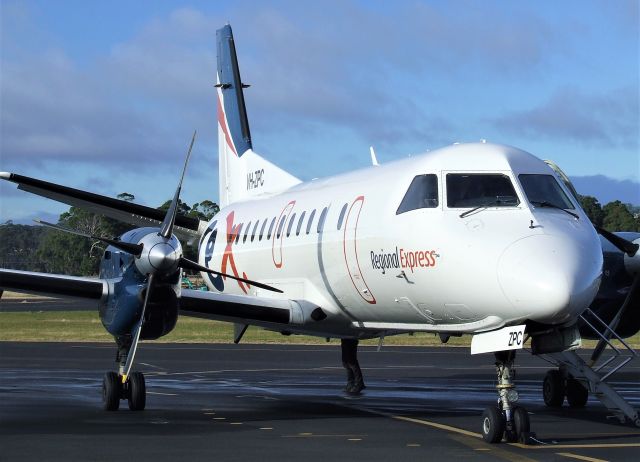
(544, 189)
(422, 194)
(467, 190)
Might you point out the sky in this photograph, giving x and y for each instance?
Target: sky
(104, 96)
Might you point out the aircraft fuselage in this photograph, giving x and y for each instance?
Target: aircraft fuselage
(347, 245)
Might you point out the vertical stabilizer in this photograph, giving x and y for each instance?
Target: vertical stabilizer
(242, 172)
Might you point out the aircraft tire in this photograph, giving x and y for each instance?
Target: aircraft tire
(577, 394)
(111, 391)
(521, 422)
(553, 389)
(137, 392)
(492, 425)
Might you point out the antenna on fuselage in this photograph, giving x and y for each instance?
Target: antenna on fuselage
(374, 159)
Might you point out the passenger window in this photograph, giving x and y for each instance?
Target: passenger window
(323, 215)
(281, 225)
(238, 231)
(264, 225)
(246, 233)
(273, 222)
(313, 213)
(255, 228)
(291, 220)
(300, 223)
(480, 190)
(541, 189)
(422, 194)
(342, 212)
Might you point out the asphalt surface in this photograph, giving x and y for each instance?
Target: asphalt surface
(18, 304)
(276, 402)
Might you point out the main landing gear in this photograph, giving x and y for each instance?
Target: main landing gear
(132, 389)
(506, 419)
(558, 385)
(355, 381)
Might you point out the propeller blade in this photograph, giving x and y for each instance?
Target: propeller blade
(188, 264)
(169, 219)
(133, 249)
(620, 243)
(613, 325)
(136, 336)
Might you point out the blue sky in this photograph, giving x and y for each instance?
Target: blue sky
(104, 96)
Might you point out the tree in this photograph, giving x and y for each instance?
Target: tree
(18, 245)
(204, 210)
(617, 217)
(70, 254)
(593, 209)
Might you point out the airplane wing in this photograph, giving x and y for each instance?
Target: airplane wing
(55, 285)
(239, 308)
(138, 215)
(244, 309)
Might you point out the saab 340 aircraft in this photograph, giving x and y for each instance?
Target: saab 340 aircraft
(479, 239)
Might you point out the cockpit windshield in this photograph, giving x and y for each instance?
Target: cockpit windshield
(480, 190)
(544, 190)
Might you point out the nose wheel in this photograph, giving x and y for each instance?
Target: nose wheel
(133, 389)
(506, 419)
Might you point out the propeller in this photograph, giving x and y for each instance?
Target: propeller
(620, 243)
(157, 254)
(630, 249)
(133, 249)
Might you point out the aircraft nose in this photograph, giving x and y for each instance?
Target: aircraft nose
(550, 279)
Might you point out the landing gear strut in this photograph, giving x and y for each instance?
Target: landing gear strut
(506, 419)
(355, 381)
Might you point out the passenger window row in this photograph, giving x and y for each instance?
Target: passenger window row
(252, 234)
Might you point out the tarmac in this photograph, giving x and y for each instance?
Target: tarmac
(285, 402)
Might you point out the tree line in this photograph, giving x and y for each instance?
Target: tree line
(37, 248)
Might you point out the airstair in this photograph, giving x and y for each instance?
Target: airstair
(594, 376)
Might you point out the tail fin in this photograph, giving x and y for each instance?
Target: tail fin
(242, 172)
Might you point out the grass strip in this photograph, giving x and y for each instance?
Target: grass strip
(85, 326)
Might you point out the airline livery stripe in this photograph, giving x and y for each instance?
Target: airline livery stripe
(223, 124)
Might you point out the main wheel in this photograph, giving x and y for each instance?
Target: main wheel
(553, 389)
(111, 391)
(577, 394)
(137, 392)
(492, 425)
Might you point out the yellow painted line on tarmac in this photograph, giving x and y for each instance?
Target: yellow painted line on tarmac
(428, 423)
(579, 457)
(577, 446)
(497, 451)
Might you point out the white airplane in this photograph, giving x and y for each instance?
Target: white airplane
(479, 239)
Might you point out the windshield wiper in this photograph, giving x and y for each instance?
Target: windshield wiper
(554, 206)
(489, 204)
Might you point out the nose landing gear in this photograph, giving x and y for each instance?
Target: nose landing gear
(506, 419)
(133, 390)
